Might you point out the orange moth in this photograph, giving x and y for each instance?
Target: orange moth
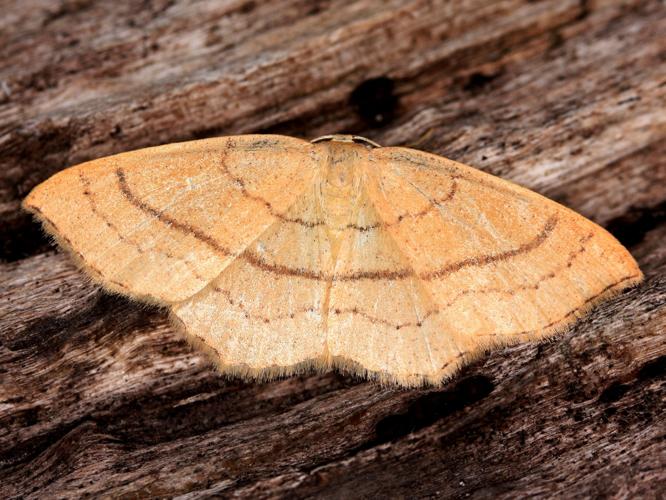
(275, 254)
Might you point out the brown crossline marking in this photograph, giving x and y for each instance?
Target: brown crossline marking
(208, 344)
(526, 332)
(310, 224)
(432, 312)
(71, 248)
(165, 219)
(262, 201)
(460, 355)
(498, 257)
(61, 235)
(375, 320)
(280, 269)
(413, 159)
(87, 192)
(431, 207)
(535, 286)
(479, 261)
(570, 313)
(263, 319)
(278, 317)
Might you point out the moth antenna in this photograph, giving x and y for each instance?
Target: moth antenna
(346, 138)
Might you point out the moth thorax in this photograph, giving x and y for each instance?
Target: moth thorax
(340, 188)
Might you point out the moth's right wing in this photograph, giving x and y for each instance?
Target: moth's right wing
(160, 223)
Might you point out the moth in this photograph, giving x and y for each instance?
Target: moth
(276, 255)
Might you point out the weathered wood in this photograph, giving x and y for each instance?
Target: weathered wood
(98, 396)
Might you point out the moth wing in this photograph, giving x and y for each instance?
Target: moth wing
(160, 223)
(458, 261)
(380, 320)
(265, 314)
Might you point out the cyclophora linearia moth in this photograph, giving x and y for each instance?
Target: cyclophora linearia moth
(276, 254)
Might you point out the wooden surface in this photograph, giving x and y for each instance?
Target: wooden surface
(98, 396)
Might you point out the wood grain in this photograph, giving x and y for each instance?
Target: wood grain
(98, 396)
